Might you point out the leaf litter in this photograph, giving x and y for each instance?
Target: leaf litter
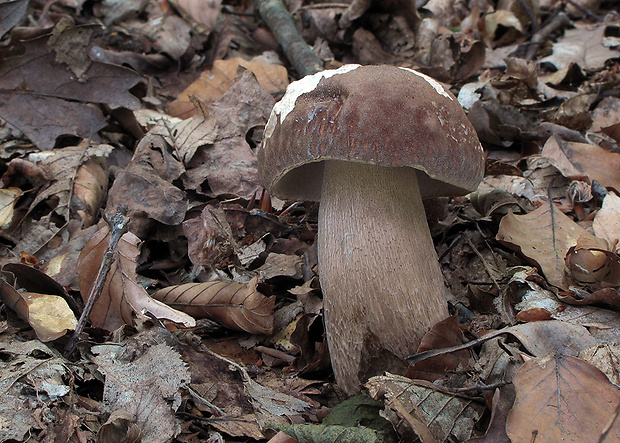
(209, 325)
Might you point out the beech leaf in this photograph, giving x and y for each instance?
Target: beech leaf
(545, 236)
(122, 296)
(563, 398)
(236, 306)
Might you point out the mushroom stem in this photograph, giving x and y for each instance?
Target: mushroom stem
(382, 285)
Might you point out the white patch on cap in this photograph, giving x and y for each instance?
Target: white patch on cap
(295, 89)
(431, 81)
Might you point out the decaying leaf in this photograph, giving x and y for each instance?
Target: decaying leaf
(563, 398)
(145, 186)
(122, 297)
(237, 306)
(545, 236)
(416, 408)
(143, 391)
(591, 266)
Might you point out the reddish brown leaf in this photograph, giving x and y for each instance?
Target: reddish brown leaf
(563, 398)
(237, 306)
(122, 296)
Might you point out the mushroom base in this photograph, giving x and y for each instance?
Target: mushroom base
(382, 285)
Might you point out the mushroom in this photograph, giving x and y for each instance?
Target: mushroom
(370, 142)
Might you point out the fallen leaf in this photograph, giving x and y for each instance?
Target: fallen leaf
(49, 315)
(146, 187)
(143, 390)
(12, 13)
(563, 398)
(216, 82)
(237, 306)
(44, 99)
(418, 408)
(122, 297)
(545, 236)
(581, 159)
(443, 334)
(606, 222)
(583, 46)
(8, 198)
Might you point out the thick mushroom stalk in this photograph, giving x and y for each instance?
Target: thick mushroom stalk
(382, 285)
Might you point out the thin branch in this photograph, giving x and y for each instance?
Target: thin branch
(118, 223)
(297, 51)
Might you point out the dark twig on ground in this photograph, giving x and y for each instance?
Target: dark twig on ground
(281, 24)
(558, 22)
(118, 226)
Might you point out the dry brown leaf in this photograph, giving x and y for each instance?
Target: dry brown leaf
(33, 79)
(579, 159)
(563, 398)
(146, 188)
(545, 236)
(213, 84)
(198, 12)
(606, 358)
(237, 306)
(8, 198)
(122, 296)
(444, 334)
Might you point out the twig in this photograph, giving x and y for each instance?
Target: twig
(559, 21)
(118, 223)
(297, 51)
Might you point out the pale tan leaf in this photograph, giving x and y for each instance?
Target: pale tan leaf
(122, 296)
(577, 159)
(237, 306)
(8, 198)
(49, 315)
(91, 184)
(545, 236)
(583, 46)
(607, 221)
(563, 398)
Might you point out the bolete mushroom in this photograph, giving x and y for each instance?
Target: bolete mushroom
(370, 142)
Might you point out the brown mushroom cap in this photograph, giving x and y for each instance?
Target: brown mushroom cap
(381, 115)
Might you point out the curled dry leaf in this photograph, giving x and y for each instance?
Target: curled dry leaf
(545, 236)
(563, 398)
(49, 315)
(592, 267)
(91, 184)
(237, 306)
(122, 296)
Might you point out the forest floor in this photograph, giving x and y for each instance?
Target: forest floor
(128, 140)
